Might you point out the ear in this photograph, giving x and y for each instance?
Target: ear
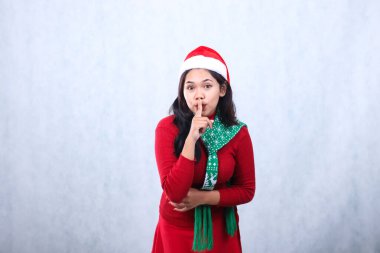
(223, 90)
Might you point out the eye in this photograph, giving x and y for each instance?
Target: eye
(208, 86)
(189, 87)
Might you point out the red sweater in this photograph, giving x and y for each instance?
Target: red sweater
(177, 175)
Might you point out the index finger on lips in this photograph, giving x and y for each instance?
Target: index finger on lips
(199, 111)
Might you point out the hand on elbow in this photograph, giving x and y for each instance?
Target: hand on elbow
(193, 199)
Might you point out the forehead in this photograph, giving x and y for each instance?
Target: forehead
(198, 75)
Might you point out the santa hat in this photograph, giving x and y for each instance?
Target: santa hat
(205, 58)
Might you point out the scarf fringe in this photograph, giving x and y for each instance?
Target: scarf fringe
(231, 225)
(203, 239)
(203, 229)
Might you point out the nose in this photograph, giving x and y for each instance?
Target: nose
(199, 95)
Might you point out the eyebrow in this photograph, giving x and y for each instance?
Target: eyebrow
(205, 80)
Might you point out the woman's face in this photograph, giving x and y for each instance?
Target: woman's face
(200, 85)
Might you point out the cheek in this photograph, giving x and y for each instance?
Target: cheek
(215, 99)
(187, 99)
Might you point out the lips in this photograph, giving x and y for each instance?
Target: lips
(203, 107)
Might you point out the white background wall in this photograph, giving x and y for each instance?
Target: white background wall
(84, 83)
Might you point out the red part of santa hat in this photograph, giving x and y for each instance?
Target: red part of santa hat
(205, 58)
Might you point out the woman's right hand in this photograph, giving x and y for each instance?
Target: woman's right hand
(199, 123)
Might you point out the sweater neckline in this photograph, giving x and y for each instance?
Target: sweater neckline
(212, 116)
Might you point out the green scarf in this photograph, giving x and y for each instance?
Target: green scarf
(214, 139)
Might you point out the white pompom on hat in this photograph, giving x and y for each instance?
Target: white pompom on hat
(205, 58)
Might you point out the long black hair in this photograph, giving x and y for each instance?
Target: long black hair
(184, 116)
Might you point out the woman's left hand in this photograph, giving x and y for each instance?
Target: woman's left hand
(193, 199)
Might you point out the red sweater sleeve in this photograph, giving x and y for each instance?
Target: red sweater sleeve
(176, 174)
(243, 185)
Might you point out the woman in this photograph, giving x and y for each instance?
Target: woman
(205, 162)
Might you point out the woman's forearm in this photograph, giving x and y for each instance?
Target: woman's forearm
(188, 148)
(211, 197)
